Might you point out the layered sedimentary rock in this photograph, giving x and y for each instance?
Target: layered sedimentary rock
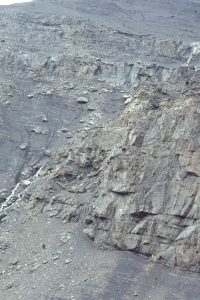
(48, 61)
(134, 183)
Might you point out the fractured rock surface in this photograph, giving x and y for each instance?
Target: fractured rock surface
(135, 182)
(99, 133)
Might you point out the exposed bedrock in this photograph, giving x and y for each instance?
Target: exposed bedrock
(135, 183)
(40, 88)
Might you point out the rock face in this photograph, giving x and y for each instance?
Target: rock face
(134, 183)
(126, 109)
(36, 82)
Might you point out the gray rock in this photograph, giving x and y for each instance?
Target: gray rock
(47, 153)
(9, 286)
(3, 197)
(82, 100)
(65, 130)
(14, 261)
(44, 118)
(67, 261)
(90, 108)
(23, 146)
(2, 216)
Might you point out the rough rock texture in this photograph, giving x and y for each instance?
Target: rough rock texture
(113, 87)
(39, 88)
(135, 183)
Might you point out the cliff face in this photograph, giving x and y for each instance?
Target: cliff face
(134, 183)
(99, 139)
(99, 135)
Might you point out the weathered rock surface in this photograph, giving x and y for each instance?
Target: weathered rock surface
(35, 82)
(119, 96)
(135, 183)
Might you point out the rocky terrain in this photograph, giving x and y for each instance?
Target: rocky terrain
(99, 132)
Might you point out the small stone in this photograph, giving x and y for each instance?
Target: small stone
(91, 108)
(69, 135)
(154, 103)
(44, 119)
(82, 100)
(126, 96)
(9, 286)
(30, 96)
(3, 197)
(14, 261)
(64, 129)
(23, 146)
(3, 191)
(128, 100)
(2, 215)
(49, 93)
(136, 294)
(43, 246)
(56, 258)
(26, 183)
(37, 130)
(61, 286)
(92, 89)
(71, 86)
(34, 268)
(90, 232)
(47, 152)
(18, 268)
(67, 261)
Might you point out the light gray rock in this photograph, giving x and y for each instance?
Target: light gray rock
(82, 100)
(23, 146)
(47, 153)
(14, 261)
(67, 261)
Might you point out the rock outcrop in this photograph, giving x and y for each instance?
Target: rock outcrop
(134, 183)
(99, 140)
(36, 82)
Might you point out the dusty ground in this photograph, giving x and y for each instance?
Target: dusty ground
(164, 19)
(46, 259)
